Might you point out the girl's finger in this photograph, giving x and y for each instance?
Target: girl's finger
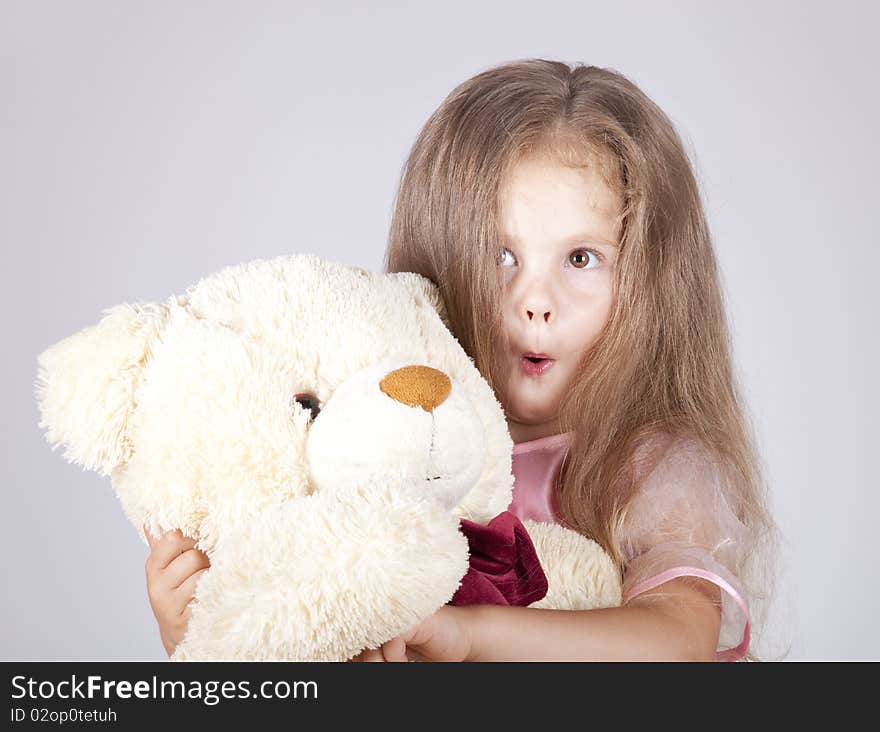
(414, 656)
(183, 567)
(394, 650)
(169, 547)
(187, 589)
(372, 655)
(187, 613)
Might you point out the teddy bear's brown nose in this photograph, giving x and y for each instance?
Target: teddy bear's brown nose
(417, 386)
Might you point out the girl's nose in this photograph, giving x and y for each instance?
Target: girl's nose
(536, 299)
(531, 314)
(537, 307)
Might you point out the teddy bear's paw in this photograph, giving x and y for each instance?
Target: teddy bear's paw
(580, 574)
(319, 579)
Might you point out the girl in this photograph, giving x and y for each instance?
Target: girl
(557, 211)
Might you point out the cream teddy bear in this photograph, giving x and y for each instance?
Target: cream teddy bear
(320, 432)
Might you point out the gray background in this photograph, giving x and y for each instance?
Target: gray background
(145, 145)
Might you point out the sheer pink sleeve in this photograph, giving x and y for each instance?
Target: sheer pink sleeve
(681, 523)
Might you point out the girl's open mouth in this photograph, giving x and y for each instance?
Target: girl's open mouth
(534, 365)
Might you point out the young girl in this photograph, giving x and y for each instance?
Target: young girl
(557, 211)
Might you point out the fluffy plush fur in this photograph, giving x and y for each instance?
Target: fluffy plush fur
(329, 532)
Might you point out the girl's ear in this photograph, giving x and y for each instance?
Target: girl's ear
(419, 285)
(86, 383)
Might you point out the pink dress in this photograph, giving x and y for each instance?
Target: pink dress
(679, 524)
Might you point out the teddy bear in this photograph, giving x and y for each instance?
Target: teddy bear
(320, 432)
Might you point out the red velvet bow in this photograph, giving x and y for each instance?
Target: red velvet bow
(504, 567)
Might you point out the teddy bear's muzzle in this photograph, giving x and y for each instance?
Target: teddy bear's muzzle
(394, 422)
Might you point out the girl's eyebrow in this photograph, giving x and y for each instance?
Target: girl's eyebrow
(591, 239)
(577, 239)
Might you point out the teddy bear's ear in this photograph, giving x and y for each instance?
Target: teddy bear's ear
(421, 285)
(86, 383)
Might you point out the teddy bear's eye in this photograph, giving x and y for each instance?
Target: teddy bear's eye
(308, 401)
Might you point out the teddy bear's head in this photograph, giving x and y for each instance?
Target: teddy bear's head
(270, 381)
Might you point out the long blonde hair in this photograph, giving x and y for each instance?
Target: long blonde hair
(662, 364)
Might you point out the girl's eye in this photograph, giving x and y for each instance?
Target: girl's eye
(580, 259)
(308, 401)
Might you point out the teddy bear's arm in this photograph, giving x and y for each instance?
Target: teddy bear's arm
(580, 574)
(323, 577)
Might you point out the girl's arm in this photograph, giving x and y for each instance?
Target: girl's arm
(677, 621)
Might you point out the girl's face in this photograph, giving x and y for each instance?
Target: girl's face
(559, 251)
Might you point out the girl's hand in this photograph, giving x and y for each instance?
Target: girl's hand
(443, 636)
(173, 569)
